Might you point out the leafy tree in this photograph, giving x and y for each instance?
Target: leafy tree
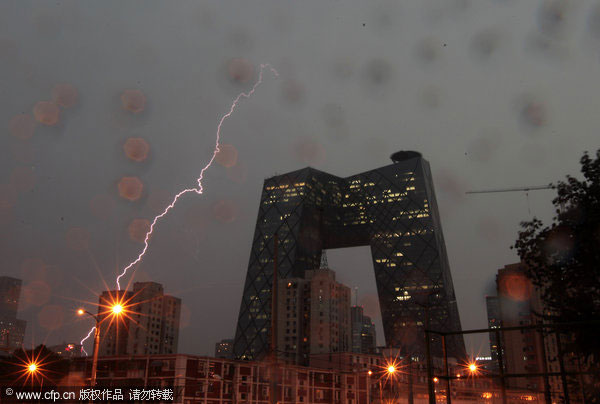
(563, 259)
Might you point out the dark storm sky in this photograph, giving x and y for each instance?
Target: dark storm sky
(494, 93)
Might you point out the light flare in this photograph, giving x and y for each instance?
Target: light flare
(33, 367)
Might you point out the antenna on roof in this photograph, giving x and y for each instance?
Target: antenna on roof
(324, 264)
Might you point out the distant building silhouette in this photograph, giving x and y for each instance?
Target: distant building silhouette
(363, 332)
(494, 321)
(12, 329)
(392, 209)
(224, 349)
(67, 350)
(151, 326)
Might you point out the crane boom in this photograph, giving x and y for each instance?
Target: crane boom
(521, 189)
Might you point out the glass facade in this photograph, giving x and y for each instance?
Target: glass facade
(393, 210)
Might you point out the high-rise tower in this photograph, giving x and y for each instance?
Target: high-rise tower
(392, 209)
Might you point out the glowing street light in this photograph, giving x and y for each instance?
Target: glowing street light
(114, 310)
(32, 367)
(391, 369)
(81, 312)
(472, 367)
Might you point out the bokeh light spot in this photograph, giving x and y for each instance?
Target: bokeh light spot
(485, 43)
(240, 70)
(225, 211)
(65, 95)
(22, 152)
(309, 151)
(46, 113)
(22, 126)
(293, 91)
(102, 206)
(227, 155)
(516, 286)
(133, 101)
(558, 246)
(238, 173)
(136, 149)
(8, 196)
(36, 293)
(130, 188)
(138, 228)
(378, 73)
(533, 113)
(23, 179)
(33, 269)
(77, 238)
(552, 17)
(427, 50)
(51, 317)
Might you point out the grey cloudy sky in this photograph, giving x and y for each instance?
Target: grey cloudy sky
(494, 93)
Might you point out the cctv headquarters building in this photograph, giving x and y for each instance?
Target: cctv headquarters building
(393, 210)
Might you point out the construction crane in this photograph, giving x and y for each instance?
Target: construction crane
(520, 189)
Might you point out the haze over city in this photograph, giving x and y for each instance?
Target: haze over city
(494, 94)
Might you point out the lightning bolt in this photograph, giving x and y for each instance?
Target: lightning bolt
(199, 188)
(83, 340)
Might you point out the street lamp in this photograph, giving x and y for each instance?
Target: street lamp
(115, 309)
(81, 312)
(369, 374)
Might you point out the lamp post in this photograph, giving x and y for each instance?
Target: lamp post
(391, 370)
(369, 373)
(115, 310)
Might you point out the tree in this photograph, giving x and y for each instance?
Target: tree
(563, 259)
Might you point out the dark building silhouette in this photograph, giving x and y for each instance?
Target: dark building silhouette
(224, 349)
(12, 329)
(392, 209)
(364, 337)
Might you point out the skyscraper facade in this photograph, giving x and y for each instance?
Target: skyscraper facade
(392, 209)
(150, 327)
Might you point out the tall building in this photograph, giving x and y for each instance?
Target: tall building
(150, 327)
(12, 329)
(518, 301)
(528, 351)
(363, 332)
(313, 316)
(393, 210)
(494, 321)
